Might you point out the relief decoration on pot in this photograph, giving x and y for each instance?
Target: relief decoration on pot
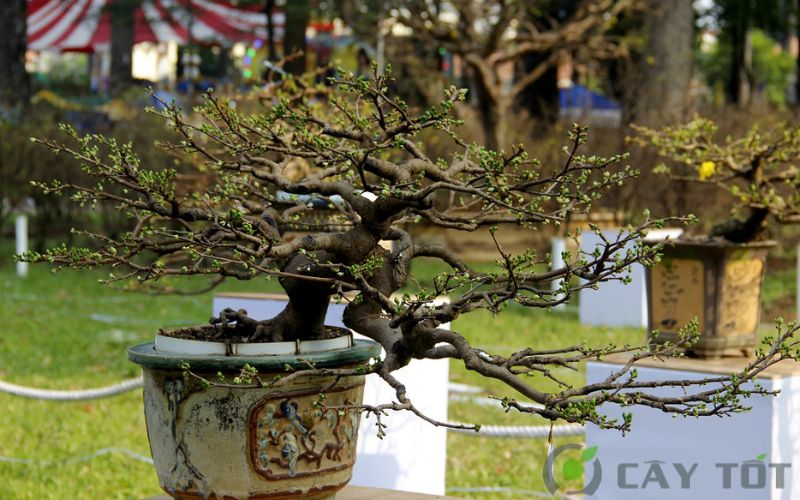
(677, 294)
(739, 304)
(292, 436)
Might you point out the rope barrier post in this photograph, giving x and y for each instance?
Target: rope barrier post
(21, 233)
(557, 249)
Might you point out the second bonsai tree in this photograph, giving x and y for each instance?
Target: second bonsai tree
(717, 278)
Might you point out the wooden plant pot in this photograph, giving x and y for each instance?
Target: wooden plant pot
(717, 283)
(251, 442)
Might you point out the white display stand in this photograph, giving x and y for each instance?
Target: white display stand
(770, 431)
(614, 303)
(396, 461)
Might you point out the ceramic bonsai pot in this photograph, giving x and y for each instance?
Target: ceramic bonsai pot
(251, 442)
(716, 282)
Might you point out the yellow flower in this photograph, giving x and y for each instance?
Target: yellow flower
(707, 169)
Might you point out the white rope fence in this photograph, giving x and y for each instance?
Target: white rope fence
(471, 394)
(517, 431)
(83, 458)
(459, 392)
(522, 431)
(71, 395)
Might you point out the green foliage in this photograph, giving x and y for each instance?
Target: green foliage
(68, 73)
(30, 171)
(772, 67)
(758, 170)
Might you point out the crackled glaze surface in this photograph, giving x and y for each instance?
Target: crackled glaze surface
(718, 284)
(251, 443)
(226, 442)
(290, 436)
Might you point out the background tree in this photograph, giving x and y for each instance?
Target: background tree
(416, 64)
(541, 97)
(736, 19)
(269, 12)
(298, 14)
(493, 35)
(657, 90)
(362, 16)
(268, 8)
(771, 68)
(794, 29)
(14, 81)
(122, 39)
(652, 84)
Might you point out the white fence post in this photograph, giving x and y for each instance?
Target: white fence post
(22, 243)
(558, 247)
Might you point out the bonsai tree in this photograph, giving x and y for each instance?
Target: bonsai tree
(758, 170)
(362, 159)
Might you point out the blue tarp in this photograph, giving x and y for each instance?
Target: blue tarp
(582, 98)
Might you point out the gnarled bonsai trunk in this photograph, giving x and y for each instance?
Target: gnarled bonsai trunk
(304, 315)
(738, 231)
(303, 318)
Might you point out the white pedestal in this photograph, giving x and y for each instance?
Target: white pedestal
(613, 303)
(394, 462)
(741, 457)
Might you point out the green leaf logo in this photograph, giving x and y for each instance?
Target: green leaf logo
(761, 457)
(572, 469)
(588, 453)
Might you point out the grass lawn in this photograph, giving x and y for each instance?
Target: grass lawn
(65, 331)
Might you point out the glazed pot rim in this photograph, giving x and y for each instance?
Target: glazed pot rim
(147, 356)
(177, 345)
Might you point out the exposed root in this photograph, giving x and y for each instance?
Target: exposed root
(233, 325)
(256, 331)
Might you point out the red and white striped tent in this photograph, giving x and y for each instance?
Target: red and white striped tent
(85, 25)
